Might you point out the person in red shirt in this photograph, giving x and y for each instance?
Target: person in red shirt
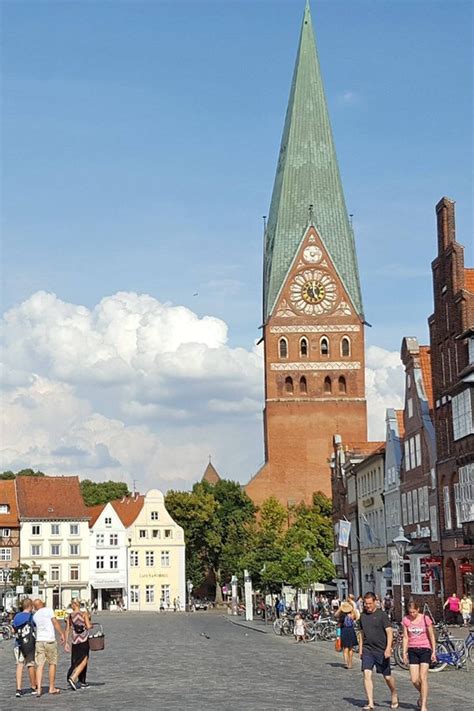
(453, 604)
(419, 647)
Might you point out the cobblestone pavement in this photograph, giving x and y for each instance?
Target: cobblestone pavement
(203, 661)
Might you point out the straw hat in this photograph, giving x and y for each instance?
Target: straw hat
(347, 607)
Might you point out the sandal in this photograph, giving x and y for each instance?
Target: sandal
(367, 708)
(395, 704)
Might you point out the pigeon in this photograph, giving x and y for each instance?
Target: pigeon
(203, 634)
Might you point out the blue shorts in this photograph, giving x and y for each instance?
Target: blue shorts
(377, 660)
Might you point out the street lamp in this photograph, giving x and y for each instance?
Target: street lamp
(308, 563)
(189, 586)
(6, 574)
(401, 544)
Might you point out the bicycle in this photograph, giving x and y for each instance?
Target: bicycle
(6, 631)
(453, 652)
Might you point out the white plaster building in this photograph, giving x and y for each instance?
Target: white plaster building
(54, 536)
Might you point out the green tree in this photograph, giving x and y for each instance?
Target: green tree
(23, 575)
(216, 521)
(102, 492)
(266, 546)
(23, 472)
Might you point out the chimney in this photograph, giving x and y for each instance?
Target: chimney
(446, 223)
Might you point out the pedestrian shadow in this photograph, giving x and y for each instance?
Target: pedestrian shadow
(341, 665)
(360, 703)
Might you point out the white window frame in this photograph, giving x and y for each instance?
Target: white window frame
(406, 445)
(462, 411)
(134, 559)
(165, 559)
(149, 593)
(409, 507)
(150, 559)
(113, 539)
(100, 539)
(418, 450)
(73, 529)
(5, 554)
(74, 549)
(54, 573)
(410, 406)
(35, 529)
(416, 513)
(55, 546)
(55, 529)
(100, 562)
(134, 594)
(448, 522)
(76, 568)
(155, 516)
(404, 510)
(113, 562)
(412, 453)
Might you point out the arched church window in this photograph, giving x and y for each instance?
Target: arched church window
(289, 384)
(304, 347)
(283, 348)
(303, 386)
(324, 346)
(342, 384)
(345, 346)
(327, 385)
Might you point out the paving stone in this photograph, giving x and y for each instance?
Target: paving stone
(164, 661)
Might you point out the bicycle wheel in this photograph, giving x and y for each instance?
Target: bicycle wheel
(470, 653)
(277, 625)
(398, 655)
(310, 632)
(329, 633)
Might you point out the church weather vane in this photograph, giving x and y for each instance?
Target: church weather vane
(311, 213)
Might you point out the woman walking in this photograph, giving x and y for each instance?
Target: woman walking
(419, 647)
(78, 622)
(346, 617)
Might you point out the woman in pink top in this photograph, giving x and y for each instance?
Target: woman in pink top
(419, 647)
(453, 604)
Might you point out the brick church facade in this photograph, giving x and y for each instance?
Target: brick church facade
(313, 321)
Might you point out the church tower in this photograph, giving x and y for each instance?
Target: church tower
(313, 321)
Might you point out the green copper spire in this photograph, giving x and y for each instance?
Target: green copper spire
(307, 174)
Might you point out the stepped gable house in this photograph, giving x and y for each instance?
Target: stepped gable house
(452, 347)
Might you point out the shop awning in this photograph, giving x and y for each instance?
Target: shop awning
(417, 548)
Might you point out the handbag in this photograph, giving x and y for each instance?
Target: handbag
(96, 638)
(338, 644)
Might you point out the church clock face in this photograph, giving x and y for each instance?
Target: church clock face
(313, 292)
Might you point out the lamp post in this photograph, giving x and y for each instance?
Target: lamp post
(401, 544)
(5, 574)
(189, 587)
(308, 564)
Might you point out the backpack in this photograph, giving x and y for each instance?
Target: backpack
(25, 636)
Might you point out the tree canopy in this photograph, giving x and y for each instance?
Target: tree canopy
(23, 472)
(101, 492)
(224, 534)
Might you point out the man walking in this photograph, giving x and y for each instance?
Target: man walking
(25, 645)
(46, 646)
(375, 647)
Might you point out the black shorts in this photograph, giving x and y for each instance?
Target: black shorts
(377, 660)
(419, 655)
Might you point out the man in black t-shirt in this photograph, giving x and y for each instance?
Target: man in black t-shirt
(375, 647)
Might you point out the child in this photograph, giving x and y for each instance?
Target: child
(299, 630)
(25, 645)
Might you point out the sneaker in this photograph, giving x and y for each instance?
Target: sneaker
(33, 692)
(18, 693)
(72, 683)
(85, 685)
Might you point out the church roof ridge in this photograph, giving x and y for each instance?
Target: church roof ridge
(308, 174)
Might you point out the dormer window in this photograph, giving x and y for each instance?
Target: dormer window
(4, 508)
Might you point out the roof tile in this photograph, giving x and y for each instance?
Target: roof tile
(50, 497)
(8, 497)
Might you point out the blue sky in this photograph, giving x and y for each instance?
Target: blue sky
(140, 143)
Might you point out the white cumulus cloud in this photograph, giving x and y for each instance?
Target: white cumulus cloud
(138, 389)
